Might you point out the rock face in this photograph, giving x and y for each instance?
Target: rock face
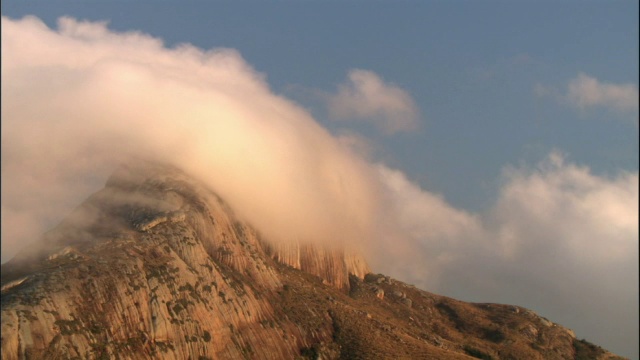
(155, 265)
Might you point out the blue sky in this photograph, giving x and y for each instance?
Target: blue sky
(482, 117)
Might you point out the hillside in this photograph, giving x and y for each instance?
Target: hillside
(156, 265)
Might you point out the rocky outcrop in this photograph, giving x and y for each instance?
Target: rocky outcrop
(331, 264)
(156, 265)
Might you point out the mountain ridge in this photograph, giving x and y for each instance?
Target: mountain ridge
(156, 265)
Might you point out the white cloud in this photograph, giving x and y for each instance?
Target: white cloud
(365, 96)
(596, 218)
(586, 91)
(426, 232)
(79, 100)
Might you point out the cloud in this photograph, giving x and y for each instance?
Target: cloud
(426, 232)
(79, 100)
(595, 217)
(585, 91)
(365, 96)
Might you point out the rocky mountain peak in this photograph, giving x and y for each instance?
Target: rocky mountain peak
(147, 198)
(156, 265)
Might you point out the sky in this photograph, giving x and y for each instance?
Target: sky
(486, 151)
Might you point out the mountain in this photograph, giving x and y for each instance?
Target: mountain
(157, 266)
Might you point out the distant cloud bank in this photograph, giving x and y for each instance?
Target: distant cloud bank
(366, 97)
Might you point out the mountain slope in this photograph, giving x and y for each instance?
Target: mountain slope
(157, 266)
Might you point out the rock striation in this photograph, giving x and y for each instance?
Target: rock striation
(156, 265)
